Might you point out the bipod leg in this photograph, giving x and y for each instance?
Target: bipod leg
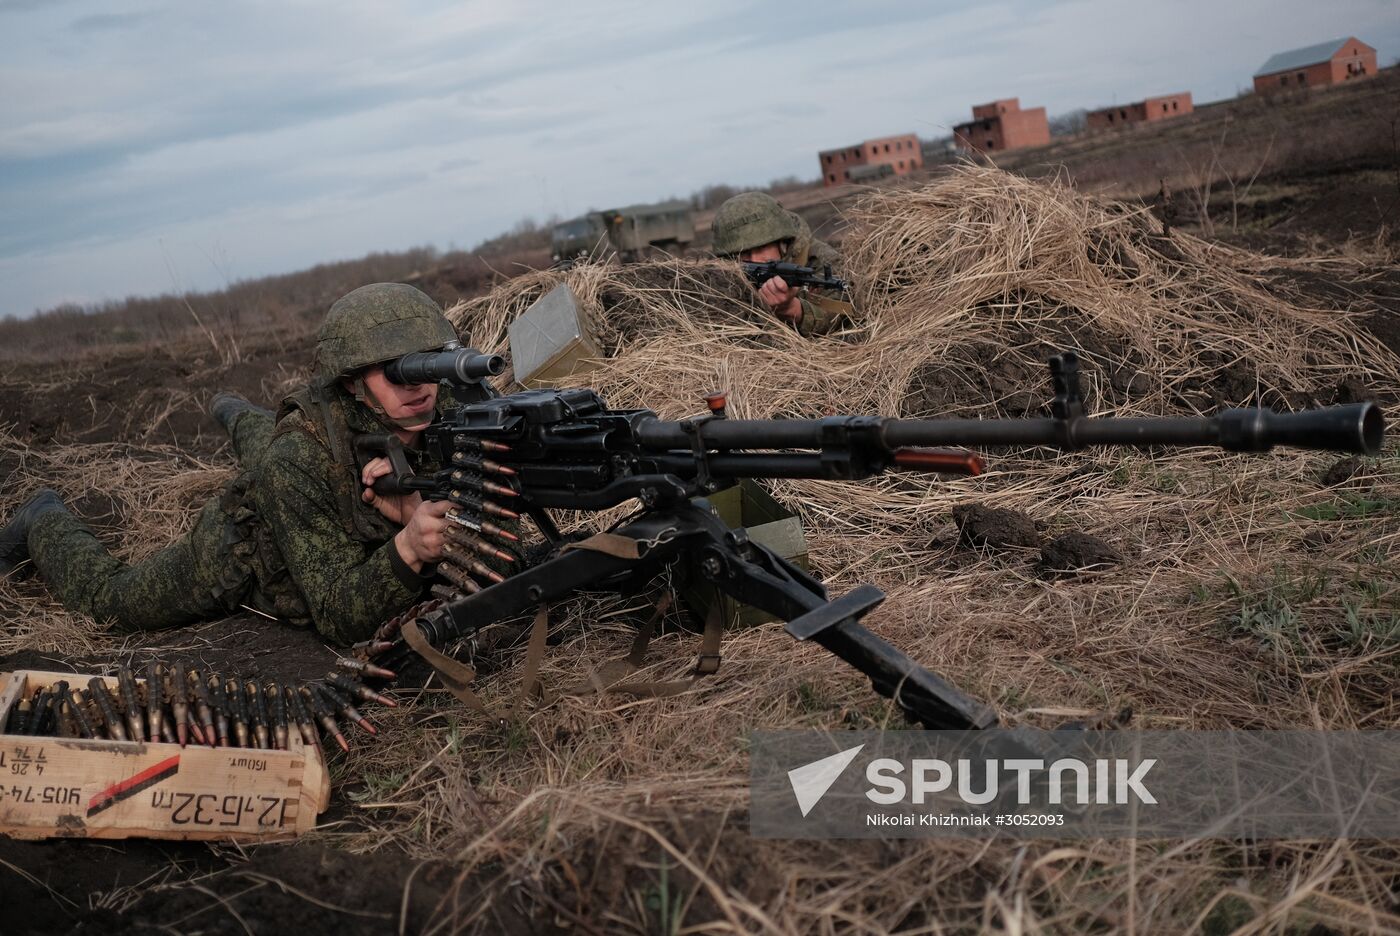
(759, 577)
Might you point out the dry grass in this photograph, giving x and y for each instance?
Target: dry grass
(146, 492)
(1251, 596)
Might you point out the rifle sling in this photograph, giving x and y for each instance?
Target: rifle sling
(611, 544)
(534, 656)
(608, 677)
(456, 676)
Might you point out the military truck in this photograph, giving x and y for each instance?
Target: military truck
(573, 239)
(667, 226)
(630, 232)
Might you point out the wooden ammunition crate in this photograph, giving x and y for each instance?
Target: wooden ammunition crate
(80, 788)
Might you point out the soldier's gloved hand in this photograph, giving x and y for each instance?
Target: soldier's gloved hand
(421, 540)
(396, 509)
(781, 300)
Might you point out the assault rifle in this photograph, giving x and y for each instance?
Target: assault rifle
(540, 450)
(795, 276)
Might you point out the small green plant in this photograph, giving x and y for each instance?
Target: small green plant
(810, 699)
(378, 785)
(1199, 594)
(1167, 483)
(1373, 554)
(1368, 631)
(1347, 506)
(659, 899)
(1271, 614)
(1228, 915)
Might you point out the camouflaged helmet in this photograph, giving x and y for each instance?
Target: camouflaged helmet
(751, 220)
(375, 324)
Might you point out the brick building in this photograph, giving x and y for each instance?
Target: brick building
(1002, 125)
(1150, 110)
(1327, 63)
(903, 154)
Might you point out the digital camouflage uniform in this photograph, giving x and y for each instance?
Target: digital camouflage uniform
(289, 536)
(753, 219)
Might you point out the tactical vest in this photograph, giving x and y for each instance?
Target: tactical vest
(325, 417)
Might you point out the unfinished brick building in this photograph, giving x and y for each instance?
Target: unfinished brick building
(1150, 110)
(903, 154)
(1002, 125)
(1327, 63)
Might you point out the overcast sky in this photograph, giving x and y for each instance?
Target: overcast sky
(152, 146)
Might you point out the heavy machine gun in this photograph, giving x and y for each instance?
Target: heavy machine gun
(531, 452)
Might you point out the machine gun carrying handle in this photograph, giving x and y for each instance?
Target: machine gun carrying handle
(401, 480)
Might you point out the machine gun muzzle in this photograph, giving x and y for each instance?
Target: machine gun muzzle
(455, 365)
(1357, 427)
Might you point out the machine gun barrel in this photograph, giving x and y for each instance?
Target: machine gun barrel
(1355, 428)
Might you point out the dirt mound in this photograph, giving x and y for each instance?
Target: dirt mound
(1077, 552)
(994, 527)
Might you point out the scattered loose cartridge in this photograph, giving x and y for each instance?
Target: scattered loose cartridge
(296, 708)
(80, 715)
(218, 699)
(257, 713)
(131, 703)
(202, 708)
(155, 699)
(317, 705)
(178, 691)
(238, 710)
(277, 714)
(364, 668)
(107, 708)
(358, 690)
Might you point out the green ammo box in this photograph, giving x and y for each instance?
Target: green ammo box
(552, 340)
(769, 524)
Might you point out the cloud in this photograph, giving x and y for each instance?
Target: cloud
(283, 134)
(101, 22)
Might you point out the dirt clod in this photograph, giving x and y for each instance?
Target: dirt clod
(1077, 552)
(980, 526)
(1340, 472)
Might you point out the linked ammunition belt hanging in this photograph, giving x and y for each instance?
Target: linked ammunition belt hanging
(479, 485)
(177, 704)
